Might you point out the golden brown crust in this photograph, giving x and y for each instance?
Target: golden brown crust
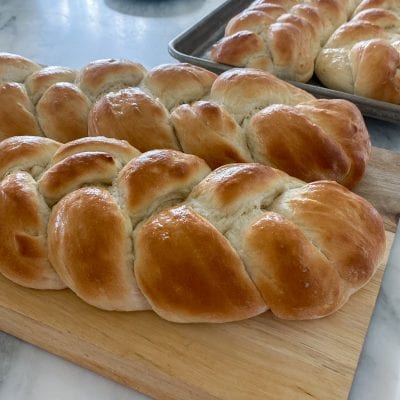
(118, 148)
(353, 32)
(294, 278)
(354, 226)
(243, 91)
(274, 10)
(376, 66)
(230, 187)
(253, 20)
(380, 17)
(158, 177)
(208, 131)
(391, 5)
(342, 121)
(15, 68)
(102, 76)
(331, 134)
(16, 112)
(174, 84)
(333, 10)
(25, 152)
(244, 48)
(316, 21)
(278, 132)
(134, 116)
(286, 4)
(63, 112)
(293, 45)
(38, 82)
(190, 273)
(362, 56)
(23, 244)
(74, 171)
(90, 248)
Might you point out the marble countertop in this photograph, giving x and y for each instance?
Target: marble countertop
(75, 32)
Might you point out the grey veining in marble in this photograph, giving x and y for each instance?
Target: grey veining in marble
(8, 349)
(75, 32)
(36, 375)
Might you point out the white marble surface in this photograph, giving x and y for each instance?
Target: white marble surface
(74, 32)
(378, 375)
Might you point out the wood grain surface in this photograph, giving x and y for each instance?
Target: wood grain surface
(259, 358)
(381, 185)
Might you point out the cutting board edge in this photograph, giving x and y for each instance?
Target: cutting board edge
(179, 390)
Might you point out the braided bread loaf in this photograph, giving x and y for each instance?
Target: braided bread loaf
(241, 116)
(281, 36)
(56, 101)
(363, 56)
(129, 231)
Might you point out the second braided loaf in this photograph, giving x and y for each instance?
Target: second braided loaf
(241, 116)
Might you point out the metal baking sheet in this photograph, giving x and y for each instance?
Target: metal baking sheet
(194, 44)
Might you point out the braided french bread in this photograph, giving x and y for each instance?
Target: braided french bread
(281, 36)
(129, 231)
(55, 102)
(241, 116)
(363, 56)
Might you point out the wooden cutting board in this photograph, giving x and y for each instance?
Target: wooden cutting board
(259, 358)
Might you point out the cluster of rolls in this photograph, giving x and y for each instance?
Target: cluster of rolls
(159, 230)
(244, 115)
(282, 36)
(363, 56)
(293, 39)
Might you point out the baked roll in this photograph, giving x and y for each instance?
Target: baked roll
(253, 116)
(363, 56)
